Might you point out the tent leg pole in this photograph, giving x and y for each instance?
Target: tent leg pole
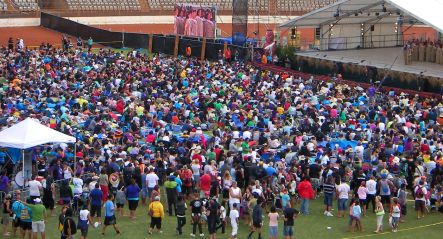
(23, 168)
(75, 157)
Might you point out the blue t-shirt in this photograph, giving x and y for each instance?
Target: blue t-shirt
(179, 185)
(270, 171)
(96, 197)
(109, 209)
(132, 192)
(285, 199)
(17, 208)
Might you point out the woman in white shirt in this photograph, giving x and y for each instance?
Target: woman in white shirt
(234, 195)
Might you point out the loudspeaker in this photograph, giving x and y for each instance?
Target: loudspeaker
(372, 28)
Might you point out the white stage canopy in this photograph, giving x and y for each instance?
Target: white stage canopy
(373, 11)
(29, 133)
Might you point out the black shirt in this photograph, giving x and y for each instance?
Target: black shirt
(314, 171)
(196, 206)
(289, 216)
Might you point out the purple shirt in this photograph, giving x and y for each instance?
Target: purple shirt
(4, 181)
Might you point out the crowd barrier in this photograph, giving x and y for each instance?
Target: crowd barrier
(156, 43)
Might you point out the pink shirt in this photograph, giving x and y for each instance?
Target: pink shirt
(362, 191)
(273, 219)
(334, 113)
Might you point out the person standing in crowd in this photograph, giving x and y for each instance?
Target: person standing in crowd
(151, 181)
(257, 220)
(84, 220)
(402, 200)
(6, 214)
(196, 213)
(90, 42)
(371, 185)
(34, 188)
(110, 219)
(180, 211)
(212, 214)
(157, 214)
(48, 195)
(17, 207)
(104, 184)
(69, 228)
(171, 194)
(79, 43)
(273, 223)
(343, 190)
(420, 192)
(4, 183)
(395, 213)
(385, 190)
(290, 214)
(234, 195)
(234, 216)
(26, 219)
(38, 218)
(132, 195)
(362, 193)
(95, 198)
(380, 212)
(120, 200)
(328, 193)
(306, 193)
(356, 217)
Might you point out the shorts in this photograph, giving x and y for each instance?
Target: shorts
(5, 219)
(26, 225)
(133, 204)
(16, 222)
(256, 224)
(120, 205)
(156, 222)
(395, 220)
(110, 220)
(362, 201)
(419, 205)
(48, 203)
(288, 231)
(404, 209)
(273, 231)
(212, 224)
(84, 232)
(342, 204)
(385, 199)
(96, 211)
(328, 200)
(144, 193)
(38, 226)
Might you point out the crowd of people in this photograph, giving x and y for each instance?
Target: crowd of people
(228, 139)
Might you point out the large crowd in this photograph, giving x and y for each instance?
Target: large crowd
(228, 139)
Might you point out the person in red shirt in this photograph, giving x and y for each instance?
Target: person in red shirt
(205, 184)
(306, 193)
(150, 138)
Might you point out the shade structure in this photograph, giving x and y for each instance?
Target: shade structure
(373, 11)
(29, 133)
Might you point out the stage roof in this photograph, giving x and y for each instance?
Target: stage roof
(373, 12)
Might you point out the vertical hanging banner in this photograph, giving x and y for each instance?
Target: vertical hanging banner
(239, 22)
(192, 20)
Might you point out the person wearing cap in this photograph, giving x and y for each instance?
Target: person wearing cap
(157, 213)
(171, 193)
(38, 217)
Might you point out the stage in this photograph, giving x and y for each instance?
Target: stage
(381, 58)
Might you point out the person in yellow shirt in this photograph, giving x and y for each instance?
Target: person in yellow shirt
(280, 110)
(157, 214)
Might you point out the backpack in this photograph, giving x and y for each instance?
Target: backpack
(180, 209)
(419, 192)
(385, 187)
(73, 226)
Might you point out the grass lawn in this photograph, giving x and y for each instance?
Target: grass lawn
(311, 226)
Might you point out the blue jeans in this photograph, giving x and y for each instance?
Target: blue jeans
(304, 208)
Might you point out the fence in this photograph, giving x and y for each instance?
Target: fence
(160, 43)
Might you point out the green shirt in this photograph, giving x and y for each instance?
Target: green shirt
(210, 155)
(38, 212)
(170, 184)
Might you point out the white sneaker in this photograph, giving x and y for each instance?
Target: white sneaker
(325, 213)
(329, 214)
(192, 235)
(202, 235)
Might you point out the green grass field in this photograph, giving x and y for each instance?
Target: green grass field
(312, 226)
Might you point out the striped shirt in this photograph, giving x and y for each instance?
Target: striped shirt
(328, 188)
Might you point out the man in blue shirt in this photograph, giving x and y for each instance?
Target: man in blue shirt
(17, 210)
(96, 203)
(110, 215)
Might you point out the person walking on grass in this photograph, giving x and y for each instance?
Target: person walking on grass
(257, 220)
(306, 193)
(38, 217)
(180, 210)
(132, 195)
(362, 193)
(7, 213)
(395, 213)
(328, 192)
(68, 227)
(157, 214)
(289, 216)
(356, 217)
(84, 219)
(420, 199)
(196, 213)
(343, 195)
(380, 212)
(95, 198)
(110, 219)
(402, 194)
(273, 223)
(234, 215)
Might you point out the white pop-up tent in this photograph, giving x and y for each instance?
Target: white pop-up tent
(29, 133)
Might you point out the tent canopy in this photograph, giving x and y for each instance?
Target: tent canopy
(29, 133)
(373, 11)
